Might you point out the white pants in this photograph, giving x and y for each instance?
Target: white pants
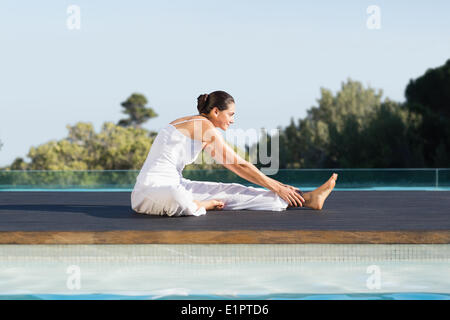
(175, 200)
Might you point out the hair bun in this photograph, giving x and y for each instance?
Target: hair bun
(220, 99)
(201, 102)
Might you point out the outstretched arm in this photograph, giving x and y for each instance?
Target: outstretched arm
(225, 155)
(251, 173)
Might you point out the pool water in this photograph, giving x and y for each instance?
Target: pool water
(303, 271)
(360, 296)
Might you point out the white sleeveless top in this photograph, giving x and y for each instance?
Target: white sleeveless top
(170, 152)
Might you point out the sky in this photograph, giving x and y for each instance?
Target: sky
(271, 56)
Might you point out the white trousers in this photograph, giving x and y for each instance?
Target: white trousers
(176, 200)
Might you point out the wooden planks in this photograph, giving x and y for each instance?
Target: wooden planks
(226, 237)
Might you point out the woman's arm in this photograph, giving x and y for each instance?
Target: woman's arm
(225, 155)
(251, 173)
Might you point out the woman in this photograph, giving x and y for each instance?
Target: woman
(161, 189)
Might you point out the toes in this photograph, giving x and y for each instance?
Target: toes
(219, 207)
(219, 204)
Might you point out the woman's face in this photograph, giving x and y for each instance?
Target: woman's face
(223, 119)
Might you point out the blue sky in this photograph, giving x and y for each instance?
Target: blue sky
(272, 56)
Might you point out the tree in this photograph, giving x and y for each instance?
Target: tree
(114, 148)
(389, 138)
(18, 164)
(353, 128)
(136, 110)
(333, 128)
(429, 96)
(289, 146)
(384, 141)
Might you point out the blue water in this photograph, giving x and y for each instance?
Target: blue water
(356, 296)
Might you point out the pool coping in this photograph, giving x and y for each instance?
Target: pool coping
(225, 237)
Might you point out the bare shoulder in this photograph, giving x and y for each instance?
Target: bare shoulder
(210, 133)
(197, 130)
(189, 118)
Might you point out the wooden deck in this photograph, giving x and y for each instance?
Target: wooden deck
(418, 217)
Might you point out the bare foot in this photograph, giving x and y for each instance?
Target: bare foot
(210, 204)
(316, 198)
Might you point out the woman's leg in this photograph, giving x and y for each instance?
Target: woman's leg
(235, 196)
(171, 200)
(239, 197)
(316, 198)
(210, 204)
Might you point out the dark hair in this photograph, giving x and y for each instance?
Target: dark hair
(220, 99)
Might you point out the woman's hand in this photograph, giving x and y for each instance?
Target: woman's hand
(290, 194)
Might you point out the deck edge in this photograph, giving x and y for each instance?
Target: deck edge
(226, 237)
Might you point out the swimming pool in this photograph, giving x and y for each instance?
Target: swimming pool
(297, 271)
(216, 271)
